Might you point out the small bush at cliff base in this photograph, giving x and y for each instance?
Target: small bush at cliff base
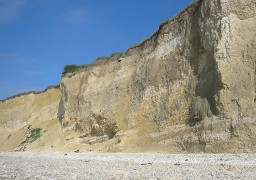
(71, 68)
(34, 134)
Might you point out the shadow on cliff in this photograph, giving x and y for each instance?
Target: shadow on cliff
(206, 82)
(61, 111)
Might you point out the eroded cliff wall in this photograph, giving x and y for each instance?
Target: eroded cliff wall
(20, 114)
(21, 110)
(189, 87)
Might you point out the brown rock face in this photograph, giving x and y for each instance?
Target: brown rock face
(189, 87)
(19, 114)
(21, 110)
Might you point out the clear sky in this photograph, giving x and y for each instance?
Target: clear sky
(39, 37)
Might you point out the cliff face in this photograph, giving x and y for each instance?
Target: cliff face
(194, 80)
(22, 113)
(190, 86)
(21, 110)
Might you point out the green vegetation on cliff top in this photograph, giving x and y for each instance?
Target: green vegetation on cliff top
(74, 68)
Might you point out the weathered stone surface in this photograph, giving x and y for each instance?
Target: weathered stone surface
(196, 71)
(188, 87)
(19, 111)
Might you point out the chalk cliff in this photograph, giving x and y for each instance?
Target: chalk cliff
(189, 87)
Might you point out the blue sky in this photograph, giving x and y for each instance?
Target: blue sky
(39, 37)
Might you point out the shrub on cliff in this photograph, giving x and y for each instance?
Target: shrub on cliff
(103, 58)
(85, 65)
(117, 54)
(107, 57)
(71, 68)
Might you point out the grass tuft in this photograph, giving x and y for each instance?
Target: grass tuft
(117, 54)
(103, 57)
